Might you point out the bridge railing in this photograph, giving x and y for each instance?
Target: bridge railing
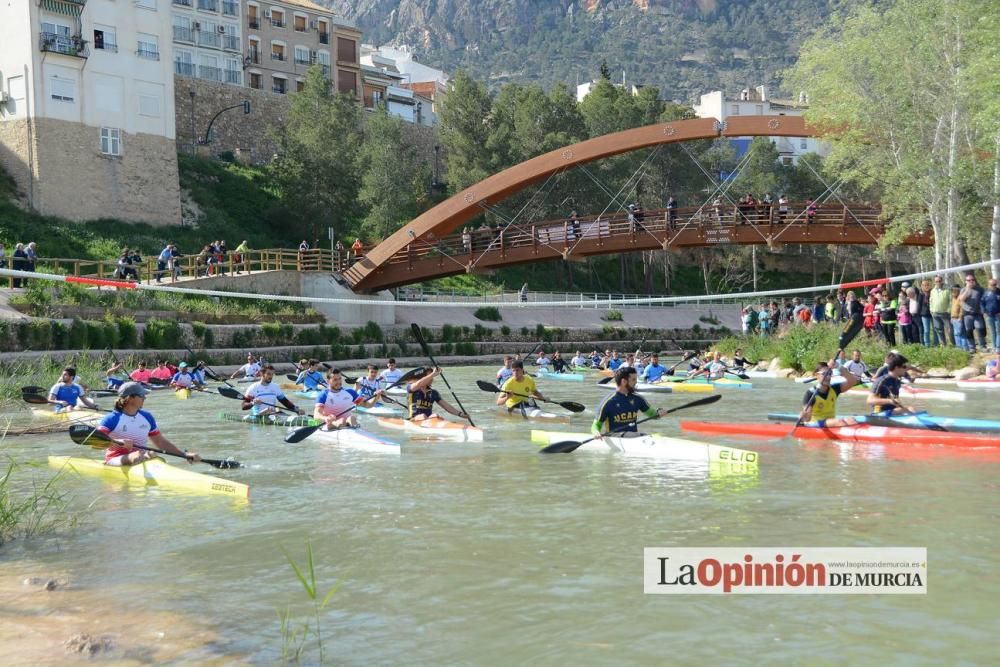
(464, 245)
(585, 300)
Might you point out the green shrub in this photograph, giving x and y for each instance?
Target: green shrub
(525, 331)
(59, 335)
(935, 357)
(613, 316)
(77, 338)
(162, 335)
(198, 329)
(505, 330)
(244, 338)
(709, 319)
(95, 336)
(426, 333)
(445, 348)
(127, 337)
(208, 340)
(271, 332)
(466, 348)
(373, 332)
(447, 333)
(488, 314)
(360, 352)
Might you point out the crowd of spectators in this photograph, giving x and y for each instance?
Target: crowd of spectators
(931, 313)
(23, 258)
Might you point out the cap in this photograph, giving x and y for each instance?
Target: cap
(183, 364)
(905, 284)
(132, 389)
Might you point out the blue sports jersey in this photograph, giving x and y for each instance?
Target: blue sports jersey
(615, 363)
(421, 402)
(619, 412)
(310, 380)
(503, 375)
(887, 386)
(653, 373)
(67, 393)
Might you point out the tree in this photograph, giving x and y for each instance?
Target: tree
(391, 183)
(464, 130)
(315, 170)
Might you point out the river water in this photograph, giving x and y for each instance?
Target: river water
(491, 554)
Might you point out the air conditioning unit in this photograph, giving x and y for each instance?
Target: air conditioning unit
(267, 13)
(197, 26)
(4, 97)
(222, 29)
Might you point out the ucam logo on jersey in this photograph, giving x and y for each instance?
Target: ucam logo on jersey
(785, 570)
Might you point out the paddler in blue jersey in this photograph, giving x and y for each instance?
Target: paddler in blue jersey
(614, 362)
(422, 397)
(370, 386)
(884, 396)
(653, 370)
(820, 402)
(66, 393)
(619, 411)
(310, 376)
(506, 371)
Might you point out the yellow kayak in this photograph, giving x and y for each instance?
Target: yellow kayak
(155, 472)
(72, 415)
(182, 393)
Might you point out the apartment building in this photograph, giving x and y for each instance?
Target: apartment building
(208, 40)
(87, 108)
(285, 38)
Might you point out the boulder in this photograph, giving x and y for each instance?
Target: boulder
(783, 372)
(774, 365)
(967, 373)
(938, 372)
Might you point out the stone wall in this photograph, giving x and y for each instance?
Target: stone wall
(74, 180)
(251, 137)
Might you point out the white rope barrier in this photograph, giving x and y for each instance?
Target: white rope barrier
(361, 301)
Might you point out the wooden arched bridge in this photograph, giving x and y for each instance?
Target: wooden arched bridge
(433, 245)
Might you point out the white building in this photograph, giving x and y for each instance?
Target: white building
(87, 108)
(583, 89)
(755, 102)
(405, 64)
(208, 39)
(402, 96)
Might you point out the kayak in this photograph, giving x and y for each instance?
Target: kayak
(566, 377)
(978, 384)
(79, 415)
(435, 427)
(531, 414)
(667, 388)
(731, 383)
(155, 472)
(380, 409)
(306, 394)
(770, 375)
(182, 393)
(923, 421)
(291, 386)
(398, 390)
(658, 446)
(915, 393)
(356, 438)
(274, 419)
(862, 433)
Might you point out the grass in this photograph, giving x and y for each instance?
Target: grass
(42, 508)
(296, 634)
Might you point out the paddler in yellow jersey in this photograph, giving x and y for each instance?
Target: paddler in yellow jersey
(820, 402)
(519, 383)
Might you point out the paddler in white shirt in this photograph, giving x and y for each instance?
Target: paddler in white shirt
(250, 369)
(335, 404)
(390, 375)
(263, 396)
(370, 386)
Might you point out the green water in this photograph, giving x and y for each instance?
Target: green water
(490, 553)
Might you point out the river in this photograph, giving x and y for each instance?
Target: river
(491, 554)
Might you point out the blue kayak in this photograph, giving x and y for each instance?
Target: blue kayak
(925, 421)
(549, 375)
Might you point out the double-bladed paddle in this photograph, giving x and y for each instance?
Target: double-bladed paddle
(415, 328)
(569, 405)
(567, 446)
(38, 399)
(82, 434)
(846, 336)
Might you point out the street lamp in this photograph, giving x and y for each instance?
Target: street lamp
(194, 133)
(207, 139)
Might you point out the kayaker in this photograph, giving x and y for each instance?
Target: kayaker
(856, 365)
(370, 386)
(713, 370)
(129, 425)
(618, 412)
(614, 362)
(653, 370)
(310, 376)
(739, 362)
(141, 374)
(199, 373)
(116, 375)
(184, 379)
(579, 361)
(333, 405)
(542, 361)
(251, 369)
(695, 363)
(993, 368)
(66, 393)
(820, 402)
(390, 374)
(595, 358)
(505, 372)
(162, 372)
(263, 396)
(519, 383)
(558, 363)
(421, 397)
(884, 396)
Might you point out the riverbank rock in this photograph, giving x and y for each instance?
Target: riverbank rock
(775, 365)
(783, 373)
(89, 644)
(966, 373)
(938, 372)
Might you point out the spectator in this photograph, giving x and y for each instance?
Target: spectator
(483, 236)
(242, 258)
(202, 262)
(971, 298)
(304, 246)
(19, 264)
(357, 248)
(811, 207)
(904, 318)
(767, 200)
(886, 308)
(764, 320)
(340, 255)
(913, 297)
(175, 263)
(782, 208)
(31, 252)
(466, 240)
(222, 256)
(163, 261)
(869, 314)
(523, 294)
(3, 256)
(940, 307)
(574, 225)
(830, 311)
(672, 211)
(991, 313)
(957, 325)
(125, 270)
(926, 323)
(717, 207)
(819, 310)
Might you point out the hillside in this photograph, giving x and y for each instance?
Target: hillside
(683, 47)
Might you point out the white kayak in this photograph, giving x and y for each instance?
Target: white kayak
(398, 390)
(356, 438)
(978, 384)
(531, 414)
(380, 410)
(667, 387)
(915, 393)
(434, 427)
(769, 375)
(658, 446)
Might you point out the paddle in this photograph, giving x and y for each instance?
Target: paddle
(846, 336)
(569, 405)
(32, 389)
(567, 446)
(82, 434)
(876, 420)
(427, 350)
(38, 399)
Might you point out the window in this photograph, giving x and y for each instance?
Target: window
(301, 55)
(149, 105)
(786, 161)
(300, 85)
(62, 89)
(256, 81)
(759, 109)
(146, 4)
(300, 23)
(230, 41)
(277, 18)
(233, 71)
(252, 18)
(280, 85)
(148, 47)
(111, 141)
(105, 38)
(347, 82)
(182, 29)
(183, 63)
(346, 50)
(803, 144)
(277, 51)
(208, 34)
(209, 68)
(324, 33)
(735, 110)
(254, 53)
(230, 8)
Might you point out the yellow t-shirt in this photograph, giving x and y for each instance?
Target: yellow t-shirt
(525, 386)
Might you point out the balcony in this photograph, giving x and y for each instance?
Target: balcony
(253, 23)
(230, 8)
(184, 69)
(209, 73)
(299, 60)
(231, 43)
(182, 34)
(148, 52)
(324, 38)
(254, 56)
(68, 46)
(326, 70)
(182, 3)
(234, 76)
(209, 39)
(105, 44)
(277, 23)
(208, 5)
(280, 89)
(277, 56)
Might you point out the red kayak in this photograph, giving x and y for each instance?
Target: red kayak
(860, 433)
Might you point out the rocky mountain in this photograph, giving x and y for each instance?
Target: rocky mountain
(683, 47)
